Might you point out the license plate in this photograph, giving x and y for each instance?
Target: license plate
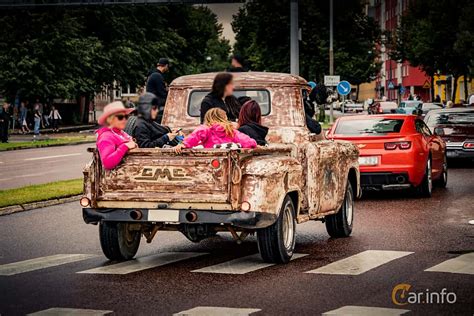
(451, 154)
(369, 161)
(163, 215)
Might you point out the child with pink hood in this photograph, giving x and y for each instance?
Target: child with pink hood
(215, 131)
(113, 143)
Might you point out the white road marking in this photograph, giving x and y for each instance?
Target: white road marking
(55, 156)
(26, 175)
(367, 311)
(462, 264)
(59, 311)
(144, 263)
(41, 263)
(217, 311)
(242, 265)
(361, 262)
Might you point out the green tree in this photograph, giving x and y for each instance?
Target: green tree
(262, 35)
(72, 53)
(437, 37)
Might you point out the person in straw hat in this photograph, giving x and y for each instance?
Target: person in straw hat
(113, 143)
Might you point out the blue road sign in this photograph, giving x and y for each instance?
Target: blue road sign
(402, 89)
(391, 85)
(344, 88)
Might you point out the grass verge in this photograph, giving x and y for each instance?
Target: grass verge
(40, 192)
(46, 142)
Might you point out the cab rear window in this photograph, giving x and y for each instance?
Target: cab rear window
(261, 96)
(369, 126)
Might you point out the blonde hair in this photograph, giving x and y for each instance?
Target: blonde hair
(218, 116)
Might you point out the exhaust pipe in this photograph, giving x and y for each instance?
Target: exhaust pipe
(136, 215)
(191, 216)
(400, 179)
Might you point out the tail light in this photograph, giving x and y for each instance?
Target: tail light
(379, 109)
(215, 164)
(245, 206)
(468, 145)
(395, 145)
(85, 202)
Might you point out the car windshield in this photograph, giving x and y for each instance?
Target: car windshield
(450, 118)
(261, 96)
(375, 126)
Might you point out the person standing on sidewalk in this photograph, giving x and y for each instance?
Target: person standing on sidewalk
(23, 117)
(54, 117)
(156, 85)
(4, 122)
(37, 120)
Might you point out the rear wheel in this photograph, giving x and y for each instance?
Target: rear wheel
(276, 243)
(426, 187)
(443, 179)
(340, 224)
(118, 241)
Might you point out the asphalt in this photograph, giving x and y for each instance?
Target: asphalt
(19, 168)
(434, 230)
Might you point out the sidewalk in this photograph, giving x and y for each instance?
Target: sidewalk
(63, 129)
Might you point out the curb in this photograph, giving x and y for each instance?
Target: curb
(30, 206)
(50, 145)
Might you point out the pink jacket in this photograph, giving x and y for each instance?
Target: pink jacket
(111, 145)
(210, 136)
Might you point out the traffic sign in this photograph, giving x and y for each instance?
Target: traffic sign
(331, 81)
(402, 89)
(344, 88)
(390, 85)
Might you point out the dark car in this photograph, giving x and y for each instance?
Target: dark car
(456, 127)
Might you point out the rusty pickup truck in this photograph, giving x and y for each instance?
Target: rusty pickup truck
(298, 177)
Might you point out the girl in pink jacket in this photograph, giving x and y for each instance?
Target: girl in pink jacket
(113, 143)
(215, 131)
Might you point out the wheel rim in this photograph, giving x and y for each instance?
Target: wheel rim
(349, 207)
(288, 228)
(430, 181)
(129, 235)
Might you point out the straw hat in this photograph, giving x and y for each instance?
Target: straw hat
(116, 107)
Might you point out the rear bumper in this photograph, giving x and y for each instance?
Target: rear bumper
(384, 180)
(249, 220)
(459, 152)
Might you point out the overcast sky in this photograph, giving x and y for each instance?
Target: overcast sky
(224, 12)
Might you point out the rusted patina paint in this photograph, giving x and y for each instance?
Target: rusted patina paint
(314, 169)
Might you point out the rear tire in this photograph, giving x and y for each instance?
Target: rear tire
(276, 243)
(443, 179)
(426, 187)
(117, 241)
(131, 126)
(340, 224)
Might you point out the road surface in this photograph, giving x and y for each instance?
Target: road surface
(395, 241)
(40, 165)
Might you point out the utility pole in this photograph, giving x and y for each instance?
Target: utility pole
(294, 39)
(331, 54)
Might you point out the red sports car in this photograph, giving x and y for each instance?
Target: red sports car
(396, 151)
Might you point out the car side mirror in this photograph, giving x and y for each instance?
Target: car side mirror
(438, 131)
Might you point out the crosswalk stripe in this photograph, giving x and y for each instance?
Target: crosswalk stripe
(143, 263)
(462, 264)
(361, 262)
(242, 265)
(41, 263)
(217, 311)
(367, 311)
(58, 311)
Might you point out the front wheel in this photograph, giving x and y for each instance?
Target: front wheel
(340, 224)
(276, 243)
(118, 240)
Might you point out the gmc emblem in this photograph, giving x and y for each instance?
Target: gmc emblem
(153, 174)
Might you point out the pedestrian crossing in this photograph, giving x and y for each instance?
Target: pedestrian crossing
(57, 311)
(366, 311)
(217, 311)
(41, 263)
(360, 263)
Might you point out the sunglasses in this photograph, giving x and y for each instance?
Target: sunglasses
(121, 117)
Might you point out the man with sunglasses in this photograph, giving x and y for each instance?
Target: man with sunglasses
(148, 133)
